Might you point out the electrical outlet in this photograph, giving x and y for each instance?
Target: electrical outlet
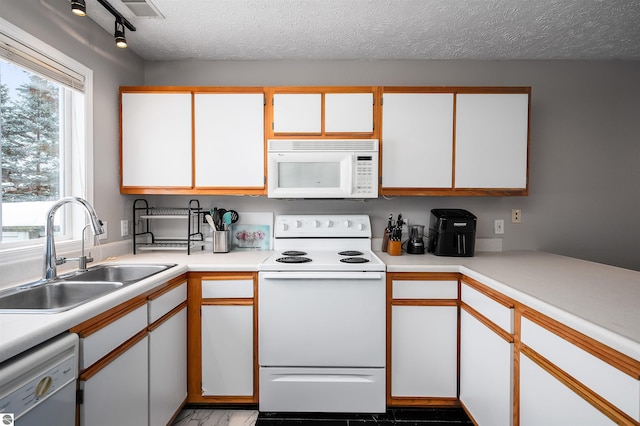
(516, 216)
(103, 236)
(124, 228)
(498, 226)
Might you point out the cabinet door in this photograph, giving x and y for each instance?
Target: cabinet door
(546, 401)
(424, 351)
(167, 368)
(297, 113)
(486, 365)
(227, 350)
(156, 139)
(229, 139)
(118, 393)
(348, 113)
(417, 140)
(491, 140)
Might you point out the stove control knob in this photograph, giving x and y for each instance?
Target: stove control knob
(329, 223)
(298, 223)
(347, 223)
(284, 226)
(360, 226)
(315, 223)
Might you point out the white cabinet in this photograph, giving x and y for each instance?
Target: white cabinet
(229, 140)
(491, 140)
(348, 112)
(297, 113)
(167, 354)
(318, 112)
(544, 400)
(156, 140)
(227, 350)
(114, 376)
(117, 394)
(417, 140)
(424, 347)
(486, 358)
(222, 346)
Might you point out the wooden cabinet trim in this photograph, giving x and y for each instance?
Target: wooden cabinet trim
(424, 302)
(488, 291)
(604, 406)
(166, 287)
(413, 401)
(228, 302)
(167, 316)
(111, 356)
(423, 276)
(102, 320)
(506, 336)
(616, 359)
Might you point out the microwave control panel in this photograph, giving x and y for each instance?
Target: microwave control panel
(365, 172)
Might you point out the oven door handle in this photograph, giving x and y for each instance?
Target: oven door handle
(322, 275)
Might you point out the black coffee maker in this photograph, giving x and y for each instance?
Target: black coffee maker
(452, 232)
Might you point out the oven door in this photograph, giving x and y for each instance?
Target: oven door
(310, 175)
(321, 319)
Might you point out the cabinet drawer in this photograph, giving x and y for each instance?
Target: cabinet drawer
(499, 314)
(103, 341)
(424, 289)
(221, 289)
(612, 384)
(166, 302)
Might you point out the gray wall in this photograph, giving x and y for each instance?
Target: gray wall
(83, 40)
(585, 146)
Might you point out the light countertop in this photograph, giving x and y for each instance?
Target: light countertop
(600, 301)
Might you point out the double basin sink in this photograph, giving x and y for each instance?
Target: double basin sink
(74, 289)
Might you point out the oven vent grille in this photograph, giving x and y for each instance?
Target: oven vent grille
(323, 145)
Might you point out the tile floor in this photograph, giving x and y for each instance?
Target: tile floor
(402, 417)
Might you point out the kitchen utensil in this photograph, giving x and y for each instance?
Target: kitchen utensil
(227, 219)
(209, 220)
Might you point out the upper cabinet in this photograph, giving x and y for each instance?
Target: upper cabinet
(492, 133)
(156, 140)
(229, 140)
(322, 111)
(204, 141)
(455, 141)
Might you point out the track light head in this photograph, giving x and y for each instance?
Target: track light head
(120, 39)
(79, 7)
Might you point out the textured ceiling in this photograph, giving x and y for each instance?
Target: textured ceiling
(383, 29)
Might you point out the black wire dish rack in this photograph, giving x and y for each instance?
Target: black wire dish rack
(145, 240)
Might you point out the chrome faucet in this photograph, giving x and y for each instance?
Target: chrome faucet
(50, 260)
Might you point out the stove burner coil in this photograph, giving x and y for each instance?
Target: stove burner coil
(350, 253)
(354, 260)
(293, 259)
(293, 253)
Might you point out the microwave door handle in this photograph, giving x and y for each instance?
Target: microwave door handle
(462, 249)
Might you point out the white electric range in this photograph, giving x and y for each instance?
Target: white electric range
(321, 317)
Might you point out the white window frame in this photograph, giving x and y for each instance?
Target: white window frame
(34, 248)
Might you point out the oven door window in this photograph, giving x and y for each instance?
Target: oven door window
(310, 175)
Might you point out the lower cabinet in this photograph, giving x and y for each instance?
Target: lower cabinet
(222, 338)
(133, 360)
(423, 311)
(486, 357)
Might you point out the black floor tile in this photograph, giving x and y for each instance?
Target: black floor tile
(401, 417)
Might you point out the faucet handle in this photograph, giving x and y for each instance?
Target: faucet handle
(61, 260)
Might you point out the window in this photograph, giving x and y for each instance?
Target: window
(45, 140)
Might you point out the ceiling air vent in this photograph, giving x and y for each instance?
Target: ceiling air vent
(143, 8)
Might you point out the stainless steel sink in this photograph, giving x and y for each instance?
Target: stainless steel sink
(72, 290)
(123, 273)
(53, 297)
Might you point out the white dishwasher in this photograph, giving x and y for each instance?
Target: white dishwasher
(38, 387)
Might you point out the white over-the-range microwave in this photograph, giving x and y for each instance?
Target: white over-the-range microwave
(322, 168)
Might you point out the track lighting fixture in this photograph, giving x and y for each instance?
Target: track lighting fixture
(121, 41)
(79, 7)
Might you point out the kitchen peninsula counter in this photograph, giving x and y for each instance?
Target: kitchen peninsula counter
(598, 300)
